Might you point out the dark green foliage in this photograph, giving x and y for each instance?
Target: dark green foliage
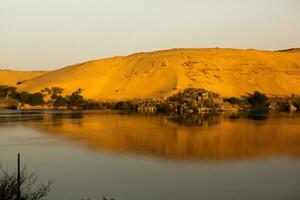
(259, 103)
(7, 91)
(164, 108)
(56, 91)
(36, 99)
(232, 100)
(46, 91)
(257, 98)
(23, 97)
(126, 105)
(8, 186)
(259, 109)
(108, 105)
(92, 105)
(60, 101)
(75, 99)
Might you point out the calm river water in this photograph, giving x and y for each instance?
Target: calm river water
(138, 157)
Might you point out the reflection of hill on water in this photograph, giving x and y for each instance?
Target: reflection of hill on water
(201, 138)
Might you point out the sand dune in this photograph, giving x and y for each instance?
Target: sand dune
(10, 77)
(230, 72)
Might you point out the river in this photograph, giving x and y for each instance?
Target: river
(94, 154)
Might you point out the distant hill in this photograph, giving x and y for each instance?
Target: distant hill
(230, 72)
(12, 78)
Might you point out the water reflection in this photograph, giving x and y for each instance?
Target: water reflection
(201, 120)
(202, 137)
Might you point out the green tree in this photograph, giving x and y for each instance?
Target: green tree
(232, 100)
(126, 105)
(46, 91)
(23, 97)
(36, 99)
(164, 108)
(259, 103)
(60, 102)
(76, 99)
(7, 91)
(56, 91)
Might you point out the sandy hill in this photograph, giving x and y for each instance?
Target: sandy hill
(229, 72)
(10, 77)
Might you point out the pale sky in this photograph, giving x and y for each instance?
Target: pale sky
(48, 34)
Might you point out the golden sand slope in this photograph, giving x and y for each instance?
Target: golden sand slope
(229, 72)
(9, 77)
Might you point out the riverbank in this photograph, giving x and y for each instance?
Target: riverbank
(188, 101)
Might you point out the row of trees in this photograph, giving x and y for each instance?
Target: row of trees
(48, 96)
(22, 97)
(56, 98)
(256, 103)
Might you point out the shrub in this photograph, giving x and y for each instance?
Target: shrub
(6, 91)
(126, 105)
(9, 186)
(60, 102)
(232, 100)
(8, 103)
(75, 99)
(164, 108)
(23, 97)
(91, 105)
(258, 103)
(56, 91)
(36, 99)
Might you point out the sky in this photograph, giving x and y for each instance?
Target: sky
(49, 34)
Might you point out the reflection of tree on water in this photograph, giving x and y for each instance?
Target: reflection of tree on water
(13, 116)
(57, 119)
(258, 117)
(202, 120)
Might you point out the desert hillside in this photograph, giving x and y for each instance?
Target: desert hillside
(10, 77)
(229, 72)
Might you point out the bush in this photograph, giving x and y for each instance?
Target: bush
(258, 103)
(164, 108)
(7, 91)
(91, 105)
(56, 91)
(75, 99)
(23, 97)
(60, 102)
(36, 99)
(8, 103)
(9, 186)
(126, 105)
(232, 100)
